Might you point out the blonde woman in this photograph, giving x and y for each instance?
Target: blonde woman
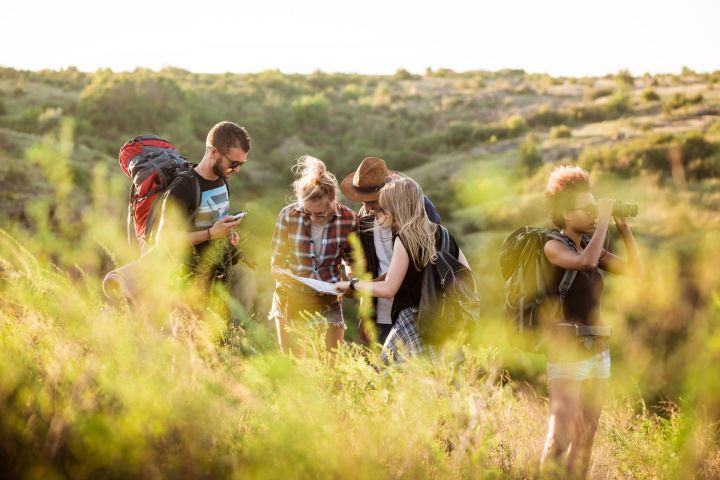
(311, 240)
(415, 247)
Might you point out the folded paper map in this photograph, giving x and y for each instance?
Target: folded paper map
(317, 285)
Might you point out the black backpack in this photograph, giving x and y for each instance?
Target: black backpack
(449, 301)
(528, 283)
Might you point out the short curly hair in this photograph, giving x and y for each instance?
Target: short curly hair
(563, 184)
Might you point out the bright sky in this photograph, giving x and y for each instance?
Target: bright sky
(560, 37)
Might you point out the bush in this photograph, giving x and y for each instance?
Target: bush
(402, 74)
(50, 118)
(560, 131)
(530, 156)
(624, 79)
(695, 147)
(310, 110)
(596, 93)
(147, 101)
(704, 168)
(546, 117)
(655, 153)
(460, 133)
(515, 124)
(680, 100)
(650, 95)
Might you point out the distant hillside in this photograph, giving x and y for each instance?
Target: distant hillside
(409, 120)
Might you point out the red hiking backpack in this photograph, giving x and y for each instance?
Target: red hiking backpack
(152, 164)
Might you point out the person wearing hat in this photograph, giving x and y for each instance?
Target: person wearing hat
(364, 185)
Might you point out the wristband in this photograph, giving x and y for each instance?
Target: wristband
(353, 281)
(209, 236)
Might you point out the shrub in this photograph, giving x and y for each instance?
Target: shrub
(530, 156)
(402, 74)
(596, 93)
(515, 124)
(546, 117)
(560, 131)
(650, 95)
(680, 100)
(310, 109)
(624, 79)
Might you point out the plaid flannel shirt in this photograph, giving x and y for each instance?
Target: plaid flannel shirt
(293, 248)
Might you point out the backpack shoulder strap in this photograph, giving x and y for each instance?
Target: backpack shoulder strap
(569, 275)
(556, 235)
(131, 213)
(566, 283)
(198, 195)
(444, 239)
(193, 182)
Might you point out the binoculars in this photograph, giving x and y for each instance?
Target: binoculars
(622, 209)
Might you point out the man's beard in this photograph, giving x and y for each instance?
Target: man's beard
(217, 170)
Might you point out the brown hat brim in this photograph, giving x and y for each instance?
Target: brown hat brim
(349, 190)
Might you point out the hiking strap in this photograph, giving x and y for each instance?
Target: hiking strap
(444, 239)
(566, 283)
(569, 275)
(131, 213)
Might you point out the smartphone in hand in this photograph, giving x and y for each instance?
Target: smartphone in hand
(238, 216)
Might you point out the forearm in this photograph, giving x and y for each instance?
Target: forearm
(592, 253)
(634, 259)
(381, 289)
(199, 237)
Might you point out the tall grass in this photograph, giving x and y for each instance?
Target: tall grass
(171, 390)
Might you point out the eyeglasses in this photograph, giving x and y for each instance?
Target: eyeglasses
(590, 210)
(318, 215)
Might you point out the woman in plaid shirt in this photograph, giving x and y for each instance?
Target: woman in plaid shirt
(311, 240)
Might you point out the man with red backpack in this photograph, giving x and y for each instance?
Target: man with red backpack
(202, 195)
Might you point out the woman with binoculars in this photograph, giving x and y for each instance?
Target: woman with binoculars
(579, 359)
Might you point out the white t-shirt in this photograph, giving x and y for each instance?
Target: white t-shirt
(383, 250)
(318, 235)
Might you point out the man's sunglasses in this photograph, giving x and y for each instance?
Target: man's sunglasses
(233, 163)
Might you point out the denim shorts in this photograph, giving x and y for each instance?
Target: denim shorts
(595, 367)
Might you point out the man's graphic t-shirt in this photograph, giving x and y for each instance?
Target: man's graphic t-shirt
(214, 201)
(214, 205)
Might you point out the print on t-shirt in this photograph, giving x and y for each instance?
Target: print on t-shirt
(214, 205)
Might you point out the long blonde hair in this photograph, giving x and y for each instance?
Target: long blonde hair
(314, 182)
(403, 202)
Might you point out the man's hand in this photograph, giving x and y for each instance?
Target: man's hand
(620, 222)
(223, 227)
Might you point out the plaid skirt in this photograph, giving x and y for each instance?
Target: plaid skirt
(404, 340)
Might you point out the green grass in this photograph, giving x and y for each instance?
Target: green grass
(172, 390)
